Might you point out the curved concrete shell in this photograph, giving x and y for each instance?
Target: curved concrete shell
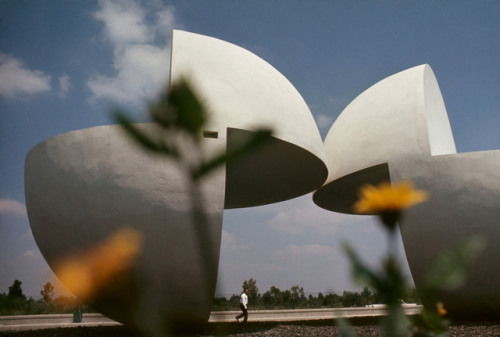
(84, 185)
(242, 93)
(398, 129)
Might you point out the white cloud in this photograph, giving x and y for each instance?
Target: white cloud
(141, 63)
(123, 22)
(324, 122)
(141, 71)
(64, 85)
(303, 215)
(16, 79)
(9, 206)
(230, 243)
(29, 253)
(166, 19)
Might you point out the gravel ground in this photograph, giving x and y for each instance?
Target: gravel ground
(364, 331)
(365, 328)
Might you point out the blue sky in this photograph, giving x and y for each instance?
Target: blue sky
(63, 64)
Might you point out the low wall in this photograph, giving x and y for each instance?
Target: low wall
(35, 322)
(308, 314)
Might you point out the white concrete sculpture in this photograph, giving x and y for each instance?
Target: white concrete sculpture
(399, 129)
(83, 185)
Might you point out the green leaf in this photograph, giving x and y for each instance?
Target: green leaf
(395, 324)
(140, 136)
(184, 108)
(431, 321)
(449, 270)
(362, 274)
(160, 113)
(345, 328)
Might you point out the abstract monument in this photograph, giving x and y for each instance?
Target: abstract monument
(84, 185)
(399, 129)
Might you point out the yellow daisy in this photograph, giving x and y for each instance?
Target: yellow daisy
(387, 197)
(441, 310)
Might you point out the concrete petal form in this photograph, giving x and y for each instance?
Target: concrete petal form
(84, 185)
(464, 201)
(242, 93)
(400, 117)
(398, 129)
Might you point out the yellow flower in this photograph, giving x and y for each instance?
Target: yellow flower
(85, 273)
(441, 310)
(388, 197)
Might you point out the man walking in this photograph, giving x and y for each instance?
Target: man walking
(243, 306)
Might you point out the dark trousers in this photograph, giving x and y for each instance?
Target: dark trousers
(243, 314)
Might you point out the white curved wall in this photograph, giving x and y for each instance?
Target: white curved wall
(243, 93)
(399, 129)
(438, 126)
(389, 120)
(464, 201)
(83, 186)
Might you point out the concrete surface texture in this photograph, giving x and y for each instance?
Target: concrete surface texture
(396, 130)
(242, 93)
(84, 185)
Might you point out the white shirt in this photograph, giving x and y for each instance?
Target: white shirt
(244, 300)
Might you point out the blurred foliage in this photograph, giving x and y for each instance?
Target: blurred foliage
(389, 201)
(182, 117)
(181, 122)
